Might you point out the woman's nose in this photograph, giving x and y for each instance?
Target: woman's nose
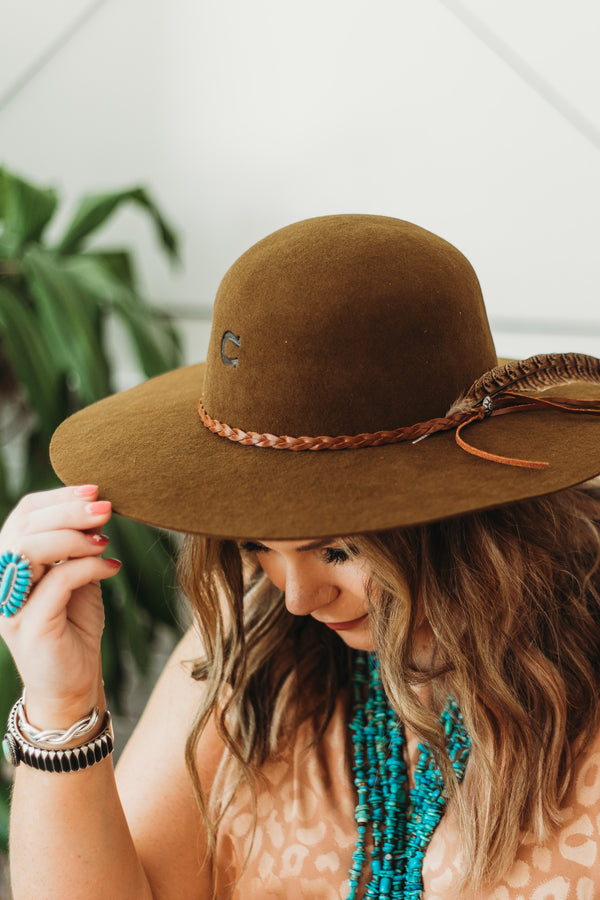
(303, 595)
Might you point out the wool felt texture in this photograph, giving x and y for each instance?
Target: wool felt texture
(335, 325)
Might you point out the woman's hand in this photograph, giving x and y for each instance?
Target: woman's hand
(55, 638)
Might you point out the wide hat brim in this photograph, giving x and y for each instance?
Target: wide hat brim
(339, 325)
(153, 458)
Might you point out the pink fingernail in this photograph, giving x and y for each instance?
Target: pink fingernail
(114, 563)
(99, 508)
(99, 539)
(85, 490)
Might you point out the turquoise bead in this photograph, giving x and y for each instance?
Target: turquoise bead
(402, 821)
(385, 885)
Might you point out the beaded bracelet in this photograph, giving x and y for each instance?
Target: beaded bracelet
(18, 749)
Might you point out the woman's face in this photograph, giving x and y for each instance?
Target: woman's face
(321, 580)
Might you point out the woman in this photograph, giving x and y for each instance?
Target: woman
(395, 589)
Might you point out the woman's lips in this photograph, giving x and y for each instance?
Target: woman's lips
(345, 626)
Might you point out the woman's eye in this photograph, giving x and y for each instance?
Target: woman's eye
(335, 555)
(253, 547)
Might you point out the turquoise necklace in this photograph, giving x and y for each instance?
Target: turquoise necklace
(401, 821)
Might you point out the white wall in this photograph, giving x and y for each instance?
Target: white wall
(244, 116)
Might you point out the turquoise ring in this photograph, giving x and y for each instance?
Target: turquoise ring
(15, 582)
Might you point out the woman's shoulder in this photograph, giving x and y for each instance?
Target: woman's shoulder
(155, 786)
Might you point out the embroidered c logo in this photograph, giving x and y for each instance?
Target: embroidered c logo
(229, 337)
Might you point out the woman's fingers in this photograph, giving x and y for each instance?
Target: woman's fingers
(54, 592)
(52, 529)
(71, 513)
(49, 598)
(41, 499)
(51, 546)
(56, 525)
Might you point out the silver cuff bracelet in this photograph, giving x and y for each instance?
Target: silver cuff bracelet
(55, 739)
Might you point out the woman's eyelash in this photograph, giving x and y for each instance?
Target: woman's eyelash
(335, 555)
(253, 547)
(331, 555)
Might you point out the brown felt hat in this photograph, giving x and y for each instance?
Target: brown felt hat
(329, 329)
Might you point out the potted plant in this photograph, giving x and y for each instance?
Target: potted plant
(56, 300)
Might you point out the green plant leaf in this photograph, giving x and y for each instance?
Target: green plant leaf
(25, 210)
(152, 578)
(135, 631)
(71, 321)
(152, 335)
(38, 474)
(10, 684)
(95, 209)
(31, 359)
(113, 669)
(7, 496)
(5, 795)
(117, 263)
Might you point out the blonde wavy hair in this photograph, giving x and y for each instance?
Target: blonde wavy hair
(512, 596)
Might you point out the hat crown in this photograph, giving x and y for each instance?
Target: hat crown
(345, 324)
